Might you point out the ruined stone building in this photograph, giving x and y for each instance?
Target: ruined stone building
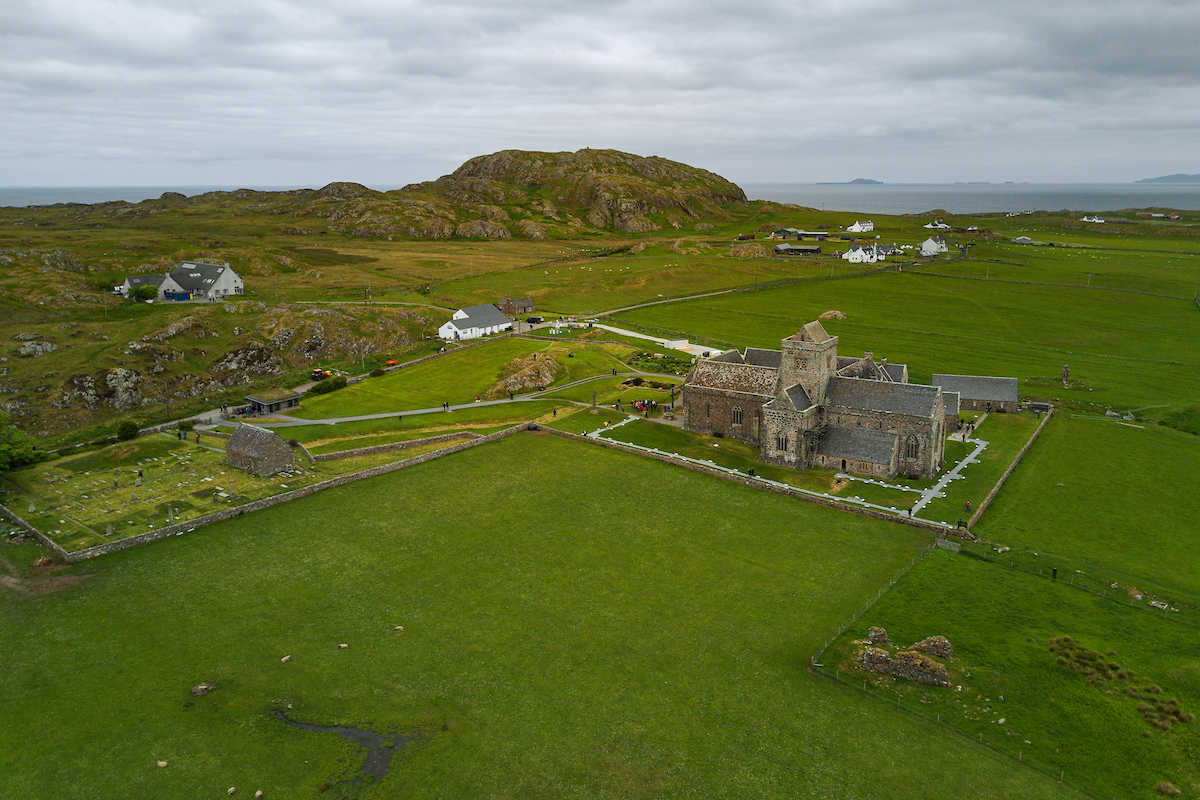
(805, 405)
(259, 451)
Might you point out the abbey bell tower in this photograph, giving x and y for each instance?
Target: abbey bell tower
(809, 359)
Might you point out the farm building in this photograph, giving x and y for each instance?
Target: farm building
(805, 405)
(473, 322)
(980, 393)
(932, 246)
(786, 249)
(259, 451)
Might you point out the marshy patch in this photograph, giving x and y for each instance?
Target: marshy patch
(380, 748)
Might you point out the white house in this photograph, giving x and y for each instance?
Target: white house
(1022, 240)
(473, 322)
(1086, 218)
(933, 245)
(861, 227)
(190, 281)
(862, 254)
(937, 224)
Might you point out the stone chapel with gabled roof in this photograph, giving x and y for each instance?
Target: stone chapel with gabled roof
(803, 405)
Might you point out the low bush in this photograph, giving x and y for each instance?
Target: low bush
(128, 429)
(328, 385)
(377, 372)
(186, 425)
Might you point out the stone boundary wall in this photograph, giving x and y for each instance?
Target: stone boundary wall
(909, 665)
(41, 537)
(1047, 283)
(304, 451)
(747, 481)
(987, 501)
(266, 502)
(218, 434)
(392, 446)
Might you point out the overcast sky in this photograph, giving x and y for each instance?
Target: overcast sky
(384, 92)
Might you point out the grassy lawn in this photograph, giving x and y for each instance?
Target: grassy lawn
(1109, 497)
(456, 378)
(1017, 695)
(566, 634)
(1118, 345)
(610, 390)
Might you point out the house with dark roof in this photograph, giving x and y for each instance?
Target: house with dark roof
(979, 392)
(259, 451)
(207, 281)
(473, 322)
(515, 306)
(804, 405)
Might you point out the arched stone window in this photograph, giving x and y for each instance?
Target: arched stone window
(781, 442)
(737, 415)
(708, 410)
(913, 448)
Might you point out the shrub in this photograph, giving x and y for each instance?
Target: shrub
(186, 425)
(128, 429)
(328, 385)
(375, 373)
(294, 443)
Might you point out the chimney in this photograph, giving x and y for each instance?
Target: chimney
(868, 354)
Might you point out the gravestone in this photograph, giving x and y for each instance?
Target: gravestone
(32, 507)
(132, 496)
(108, 531)
(138, 482)
(1066, 374)
(170, 515)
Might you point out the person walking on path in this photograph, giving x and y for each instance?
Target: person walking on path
(197, 438)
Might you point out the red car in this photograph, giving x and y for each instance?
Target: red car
(390, 363)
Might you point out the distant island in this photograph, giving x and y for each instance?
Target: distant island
(1178, 177)
(845, 183)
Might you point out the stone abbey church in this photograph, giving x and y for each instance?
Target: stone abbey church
(804, 405)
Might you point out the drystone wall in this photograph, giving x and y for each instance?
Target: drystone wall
(934, 646)
(746, 481)
(266, 502)
(909, 665)
(987, 501)
(393, 446)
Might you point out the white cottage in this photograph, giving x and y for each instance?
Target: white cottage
(862, 254)
(207, 281)
(937, 224)
(473, 322)
(933, 245)
(861, 226)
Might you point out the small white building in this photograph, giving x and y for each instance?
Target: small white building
(1086, 218)
(473, 322)
(861, 226)
(933, 245)
(1022, 240)
(937, 224)
(862, 254)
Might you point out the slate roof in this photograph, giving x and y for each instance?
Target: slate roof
(744, 378)
(979, 387)
(763, 358)
(253, 441)
(799, 397)
(729, 357)
(896, 371)
(951, 401)
(896, 398)
(194, 277)
(481, 316)
(146, 280)
(858, 444)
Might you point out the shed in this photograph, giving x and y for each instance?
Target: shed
(272, 400)
(259, 451)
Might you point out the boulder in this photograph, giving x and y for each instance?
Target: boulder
(202, 689)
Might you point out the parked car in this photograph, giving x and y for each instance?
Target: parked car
(535, 320)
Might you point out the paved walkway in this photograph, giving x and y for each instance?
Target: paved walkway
(694, 349)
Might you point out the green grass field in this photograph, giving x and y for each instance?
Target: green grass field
(1018, 697)
(1110, 497)
(1117, 345)
(456, 378)
(565, 634)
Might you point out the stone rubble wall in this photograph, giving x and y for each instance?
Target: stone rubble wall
(392, 446)
(935, 646)
(987, 501)
(747, 481)
(266, 502)
(908, 665)
(878, 636)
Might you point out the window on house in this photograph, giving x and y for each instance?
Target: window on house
(781, 442)
(737, 415)
(913, 448)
